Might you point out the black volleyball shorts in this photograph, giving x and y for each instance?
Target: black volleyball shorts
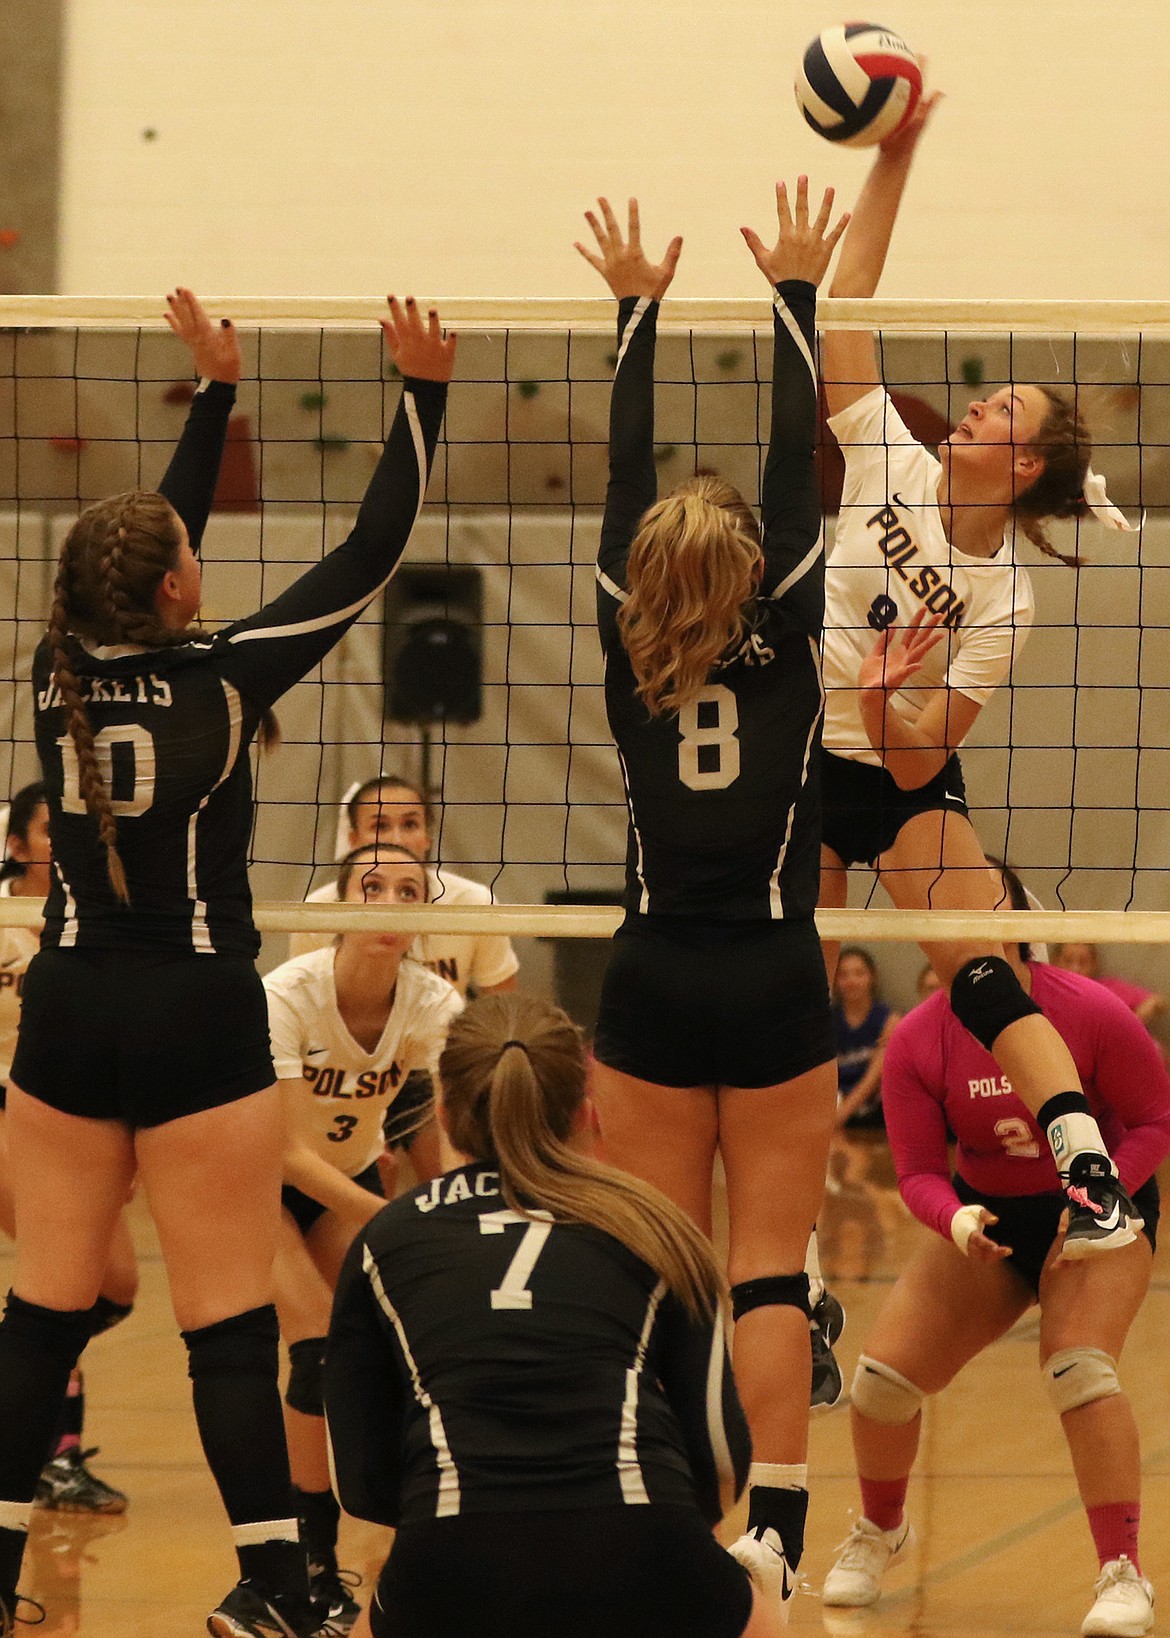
(141, 1037)
(864, 807)
(698, 1004)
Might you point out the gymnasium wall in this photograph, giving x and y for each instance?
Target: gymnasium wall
(339, 147)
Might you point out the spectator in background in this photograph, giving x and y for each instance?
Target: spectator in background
(863, 1024)
(1082, 958)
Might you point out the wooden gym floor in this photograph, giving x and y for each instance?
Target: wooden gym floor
(1003, 1547)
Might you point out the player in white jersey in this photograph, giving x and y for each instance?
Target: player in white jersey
(393, 809)
(348, 1025)
(66, 1483)
(926, 609)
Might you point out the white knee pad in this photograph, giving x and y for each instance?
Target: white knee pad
(880, 1393)
(1076, 1376)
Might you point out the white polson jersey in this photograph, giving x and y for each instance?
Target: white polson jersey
(891, 558)
(347, 1089)
(484, 959)
(18, 945)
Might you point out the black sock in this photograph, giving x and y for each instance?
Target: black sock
(1073, 1135)
(233, 1369)
(783, 1511)
(72, 1416)
(38, 1349)
(320, 1516)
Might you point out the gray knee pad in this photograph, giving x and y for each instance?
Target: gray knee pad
(306, 1377)
(986, 996)
(883, 1394)
(1077, 1376)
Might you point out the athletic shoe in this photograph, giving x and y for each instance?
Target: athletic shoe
(825, 1325)
(864, 1556)
(67, 1486)
(1125, 1603)
(247, 1613)
(1101, 1216)
(331, 1596)
(763, 1558)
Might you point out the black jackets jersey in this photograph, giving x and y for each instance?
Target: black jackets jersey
(724, 797)
(480, 1361)
(173, 726)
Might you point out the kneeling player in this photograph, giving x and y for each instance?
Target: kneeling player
(528, 1376)
(349, 1024)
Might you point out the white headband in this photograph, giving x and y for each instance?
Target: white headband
(1102, 508)
(341, 845)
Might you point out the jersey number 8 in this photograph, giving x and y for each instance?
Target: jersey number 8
(708, 750)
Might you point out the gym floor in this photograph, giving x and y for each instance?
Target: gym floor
(1002, 1545)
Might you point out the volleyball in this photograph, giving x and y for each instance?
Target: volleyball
(858, 84)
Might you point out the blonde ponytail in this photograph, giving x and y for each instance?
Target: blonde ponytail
(513, 1078)
(692, 568)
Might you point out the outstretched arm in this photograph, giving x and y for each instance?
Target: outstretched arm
(639, 286)
(849, 357)
(793, 544)
(271, 650)
(190, 479)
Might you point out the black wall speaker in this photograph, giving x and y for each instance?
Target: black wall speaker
(432, 650)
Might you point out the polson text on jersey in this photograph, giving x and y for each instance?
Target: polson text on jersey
(328, 1082)
(148, 690)
(451, 1191)
(898, 548)
(988, 1086)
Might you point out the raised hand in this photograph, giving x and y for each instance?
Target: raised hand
(903, 143)
(622, 263)
(803, 250)
(898, 655)
(214, 348)
(425, 351)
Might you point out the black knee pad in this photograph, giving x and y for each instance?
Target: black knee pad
(106, 1313)
(60, 1334)
(306, 1378)
(246, 1342)
(771, 1291)
(986, 996)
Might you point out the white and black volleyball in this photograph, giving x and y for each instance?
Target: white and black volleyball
(858, 84)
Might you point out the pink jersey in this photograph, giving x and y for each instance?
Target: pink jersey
(1132, 994)
(937, 1074)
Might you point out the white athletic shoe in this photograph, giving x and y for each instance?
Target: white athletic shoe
(763, 1558)
(856, 1578)
(1125, 1603)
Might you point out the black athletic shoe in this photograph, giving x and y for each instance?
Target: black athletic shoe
(1101, 1216)
(331, 1595)
(67, 1486)
(825, 1325)
(247, 1613)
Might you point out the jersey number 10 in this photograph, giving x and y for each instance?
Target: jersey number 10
(708, 747)
(141, 786)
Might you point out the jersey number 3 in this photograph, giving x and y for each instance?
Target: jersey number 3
(513, 1292)
(708, 749)
(138, 747)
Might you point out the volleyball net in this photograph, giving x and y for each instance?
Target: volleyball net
(479, 674)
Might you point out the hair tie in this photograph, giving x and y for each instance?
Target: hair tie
(523, 1045)
(1096, 498)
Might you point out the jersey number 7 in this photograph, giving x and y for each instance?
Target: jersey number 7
(513, 1292)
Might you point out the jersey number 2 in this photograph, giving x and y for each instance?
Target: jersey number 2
(141, 750)
(513, 1292)
(708, 750)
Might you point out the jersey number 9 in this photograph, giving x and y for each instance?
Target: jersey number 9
(708, 748)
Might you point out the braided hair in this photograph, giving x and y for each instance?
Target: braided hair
(1059, 492)
(111, 565)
